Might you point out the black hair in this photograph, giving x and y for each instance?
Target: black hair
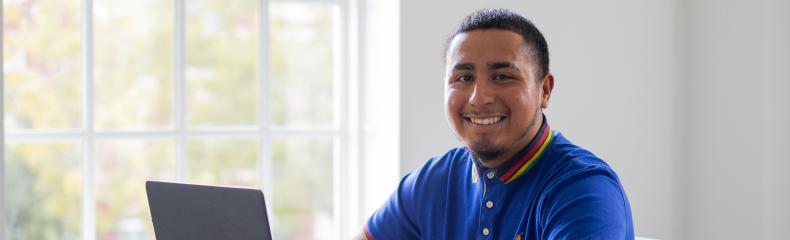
(504, 19)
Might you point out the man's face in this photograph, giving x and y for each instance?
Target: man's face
(492, 99)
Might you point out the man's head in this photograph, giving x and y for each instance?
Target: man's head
(497, 83)
(503, 19)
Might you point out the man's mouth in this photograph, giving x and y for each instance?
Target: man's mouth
(485, 120)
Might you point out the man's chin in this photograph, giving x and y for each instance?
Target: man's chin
(486, 154)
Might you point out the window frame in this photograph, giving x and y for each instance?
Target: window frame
(345, 132)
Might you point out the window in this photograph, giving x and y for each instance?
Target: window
(102, 95)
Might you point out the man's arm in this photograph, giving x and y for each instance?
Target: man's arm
(362, 235)
(394, 219)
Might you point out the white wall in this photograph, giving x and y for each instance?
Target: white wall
(776, 117)
(736, 133)
(646, 86)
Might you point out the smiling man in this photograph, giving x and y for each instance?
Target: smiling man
(516, 178)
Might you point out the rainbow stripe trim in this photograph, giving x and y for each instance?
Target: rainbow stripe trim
(528, 160)
(367, 235)
(531, 154)
(531, 161)
(475, 176)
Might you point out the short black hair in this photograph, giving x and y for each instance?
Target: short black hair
(504, 19)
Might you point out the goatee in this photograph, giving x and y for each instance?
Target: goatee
(486, 156)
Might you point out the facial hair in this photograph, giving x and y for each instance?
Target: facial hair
(487, 156)
(487, 153)
(490, 154)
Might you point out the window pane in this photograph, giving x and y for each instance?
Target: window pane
(301, 63)
(302, 188)
(221, 52)
(43, 184)
(133, 76)
(41, 54)
(122, 167)
(223, 162)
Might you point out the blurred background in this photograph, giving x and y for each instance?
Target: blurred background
(324, 104)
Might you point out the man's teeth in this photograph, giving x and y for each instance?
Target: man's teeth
(486, 121)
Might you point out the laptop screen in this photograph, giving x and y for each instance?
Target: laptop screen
(188, 211)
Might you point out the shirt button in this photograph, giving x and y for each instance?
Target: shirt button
(490, 175)
(489, 204)
(486, 232)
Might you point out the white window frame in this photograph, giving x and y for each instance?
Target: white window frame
(2, 129)
(346, 133)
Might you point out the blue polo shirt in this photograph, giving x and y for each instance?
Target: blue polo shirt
(552, 189)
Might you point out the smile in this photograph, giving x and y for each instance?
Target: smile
(485, 121)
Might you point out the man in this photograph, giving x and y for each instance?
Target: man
(516, 178)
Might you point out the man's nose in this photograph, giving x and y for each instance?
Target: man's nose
(482, 94)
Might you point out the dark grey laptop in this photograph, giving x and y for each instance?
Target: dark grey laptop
(195, 212)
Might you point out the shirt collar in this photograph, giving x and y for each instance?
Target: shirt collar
(522, 161)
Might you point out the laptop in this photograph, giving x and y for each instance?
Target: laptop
(196, 212)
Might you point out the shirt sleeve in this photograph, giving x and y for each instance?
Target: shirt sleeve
(587, 204)
(394, 220)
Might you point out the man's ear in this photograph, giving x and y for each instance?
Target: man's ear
(547, 84)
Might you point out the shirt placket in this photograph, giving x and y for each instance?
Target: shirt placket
(491, 188)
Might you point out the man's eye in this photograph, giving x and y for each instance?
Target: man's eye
(464, 78)
(502, 77)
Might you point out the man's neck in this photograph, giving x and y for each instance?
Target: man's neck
(511, 154)
(510, 168)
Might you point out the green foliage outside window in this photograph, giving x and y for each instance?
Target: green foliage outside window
(134, 90)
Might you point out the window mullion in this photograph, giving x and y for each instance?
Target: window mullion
(2, 135)
(179, 55)
(346, 159)
(354, 65)
(264, 110)
(356, 68)
(88, 195)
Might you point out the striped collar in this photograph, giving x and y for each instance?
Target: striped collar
(523, 160)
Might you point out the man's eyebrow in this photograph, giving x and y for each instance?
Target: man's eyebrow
(464, 66)
(498, 65)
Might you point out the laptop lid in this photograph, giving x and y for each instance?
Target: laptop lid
(188, 211)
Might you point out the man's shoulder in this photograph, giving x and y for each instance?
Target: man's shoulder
(569, 157)
(579, 187)
(572, 163)
(444, 162)
(452, 162)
